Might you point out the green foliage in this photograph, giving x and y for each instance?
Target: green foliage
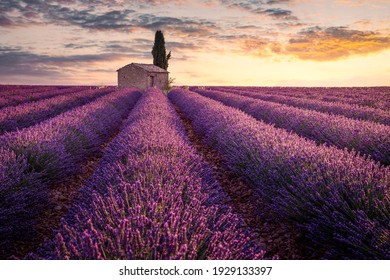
(170, 83)
(160, 57)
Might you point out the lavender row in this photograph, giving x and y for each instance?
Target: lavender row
(152, 197)
(322, 92)
(30, 92)
(17, 96)
(17, 99)
(26, 90)
(349, 110)
(14, 87)
(363, 136)
(340, 199)
(40, 156)
(374, 97)
(25, 115)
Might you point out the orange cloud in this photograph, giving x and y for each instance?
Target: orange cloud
(321, 44)
(335, 43)
(259, 47)
(352, 3)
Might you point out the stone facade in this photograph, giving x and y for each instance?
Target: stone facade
(142, 76)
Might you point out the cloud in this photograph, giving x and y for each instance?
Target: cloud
(277, 13)
(182, 46)
(352, 3)
(16, 61)
(320, 44)
(160, 2)
(9, 19)
(77, 46)
(332, 43)
(134, 49)
(276, 2)
(5, 21)
(184, 26)
(290, 24)
(258, 7)
(361, 3)
(19, 13)
(95, 15)
(111, 20)
(259, 47)
(141, 48)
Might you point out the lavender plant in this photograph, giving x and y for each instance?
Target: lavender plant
(13, 90)
(27, 95)
(363, 136)
(373, 97)
(35, 158)
(335, 107)
(152, 197)
(7, 88)
(25, 115)
(341, 200)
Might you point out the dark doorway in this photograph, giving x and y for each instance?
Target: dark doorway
(151, 81)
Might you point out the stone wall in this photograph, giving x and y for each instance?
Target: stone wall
(133, 76)
(161, 80)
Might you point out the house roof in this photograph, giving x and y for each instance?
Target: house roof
(147, 67)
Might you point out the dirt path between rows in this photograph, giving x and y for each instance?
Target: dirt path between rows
(279, 238)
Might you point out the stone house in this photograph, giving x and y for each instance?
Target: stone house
(142, 76)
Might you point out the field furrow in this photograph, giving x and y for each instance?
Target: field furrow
(338, 108)
(152, 197)
(7, 88)
(366, 137)
(14, 91)
(340, 199)
(18, 99)
(36, 158)
(280, 237)
(366, 97)
(25, 115)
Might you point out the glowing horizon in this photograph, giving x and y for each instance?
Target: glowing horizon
(213, 42)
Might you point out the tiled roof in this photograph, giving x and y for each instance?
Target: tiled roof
(148, 67)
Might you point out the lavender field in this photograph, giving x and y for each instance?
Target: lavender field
(197, 173)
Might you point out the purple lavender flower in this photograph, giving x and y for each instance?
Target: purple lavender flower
(152, 197)
(366, 137)
(37, 157)
(340, 199)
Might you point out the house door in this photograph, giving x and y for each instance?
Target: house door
(151, 81)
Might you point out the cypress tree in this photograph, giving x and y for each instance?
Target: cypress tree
(160, 57)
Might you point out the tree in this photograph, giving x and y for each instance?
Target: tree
(160, 57)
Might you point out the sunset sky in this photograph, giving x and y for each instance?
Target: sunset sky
(213, 42)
